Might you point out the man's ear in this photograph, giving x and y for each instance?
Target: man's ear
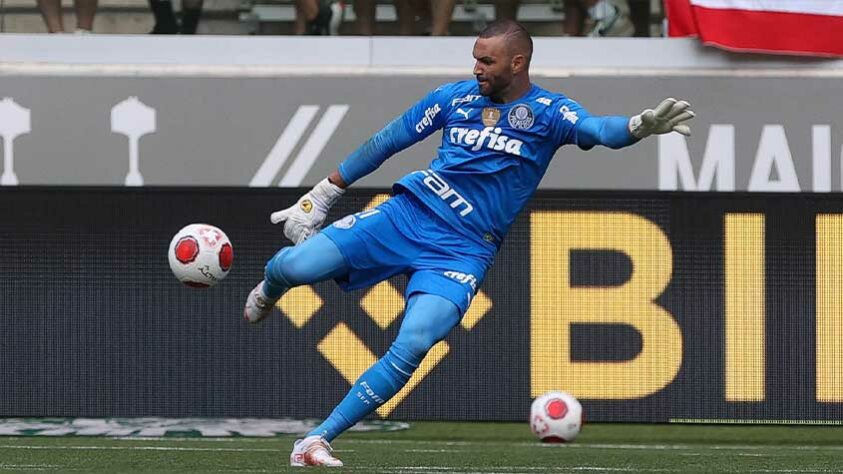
(519, 63)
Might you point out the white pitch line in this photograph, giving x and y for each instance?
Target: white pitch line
(510, 469)
(433, 451)
(677, 447)
(527, 469)
(137, 448)
(34, 467)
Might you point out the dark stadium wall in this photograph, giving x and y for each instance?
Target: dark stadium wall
(649, 307)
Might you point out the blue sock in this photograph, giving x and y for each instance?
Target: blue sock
(427, 320)
(377, 385)
(275, 283)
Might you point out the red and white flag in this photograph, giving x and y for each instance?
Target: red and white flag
(803, 27)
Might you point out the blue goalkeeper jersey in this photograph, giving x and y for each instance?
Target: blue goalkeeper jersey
(492, 155)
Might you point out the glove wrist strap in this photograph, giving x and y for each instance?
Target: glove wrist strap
(635, 126)
(327, 193)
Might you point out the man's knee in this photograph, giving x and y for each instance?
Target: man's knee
(288, 268)
(413, 344)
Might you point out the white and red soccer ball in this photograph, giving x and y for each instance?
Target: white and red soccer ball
(556, 417)
(200, 255)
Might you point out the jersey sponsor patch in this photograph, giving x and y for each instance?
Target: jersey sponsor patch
(429, 114)
(464, 278)
(489, 138)
(445, 192)
(568, 114)
(465, 100)
(521, 117)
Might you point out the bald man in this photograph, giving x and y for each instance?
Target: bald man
(444, 225)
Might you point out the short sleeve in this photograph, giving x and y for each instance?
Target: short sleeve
(428, 115)
(567, 116)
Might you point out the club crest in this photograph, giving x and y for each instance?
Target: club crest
(521, 117)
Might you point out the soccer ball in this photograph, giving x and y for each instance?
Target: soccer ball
(200, 255)
(556, 417)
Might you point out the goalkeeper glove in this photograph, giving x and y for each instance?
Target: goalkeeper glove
(669, 116)
(303, 219)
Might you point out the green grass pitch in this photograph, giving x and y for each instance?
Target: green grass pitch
(428, 448)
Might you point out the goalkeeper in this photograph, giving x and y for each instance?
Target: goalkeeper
(444, 225)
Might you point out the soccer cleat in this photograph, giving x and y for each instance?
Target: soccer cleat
(328, 18)
(258, 306)
(313, 451)
(611, 18)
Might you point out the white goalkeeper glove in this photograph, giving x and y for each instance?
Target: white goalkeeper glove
(669, 116)
(303, 219)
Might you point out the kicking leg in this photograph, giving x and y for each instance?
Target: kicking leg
(314, 260)
(427, 320)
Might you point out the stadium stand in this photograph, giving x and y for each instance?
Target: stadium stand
(123, 16)
(235, 17)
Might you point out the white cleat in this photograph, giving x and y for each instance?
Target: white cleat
(313, 451)
(611, 18)
(258, 306)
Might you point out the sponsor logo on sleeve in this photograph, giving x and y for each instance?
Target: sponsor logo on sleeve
(568, 114)
(429, 114)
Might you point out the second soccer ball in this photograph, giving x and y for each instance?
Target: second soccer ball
(200, 255)
(556, 417)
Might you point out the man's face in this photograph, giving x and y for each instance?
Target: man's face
(492, 65)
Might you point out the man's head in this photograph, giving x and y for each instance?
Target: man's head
(502, 55)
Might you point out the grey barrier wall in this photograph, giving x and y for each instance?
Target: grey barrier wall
(758, 134)
(648, 306)
(284, 112)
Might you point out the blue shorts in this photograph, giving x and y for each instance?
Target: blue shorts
(404, 236)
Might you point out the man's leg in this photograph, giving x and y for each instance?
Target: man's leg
(365, 12)
(575, 14)
(427, 320)
(51, 11)
(406, 17)
(443, 11)
(165, 18)
(191, 11)
(85, 12)
(314, 260)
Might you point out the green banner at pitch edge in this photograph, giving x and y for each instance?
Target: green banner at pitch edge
(173, 427)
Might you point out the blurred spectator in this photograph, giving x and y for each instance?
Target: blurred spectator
(318, 17)
(413, 16)
(606, 17)
(611, 17)
(85, 11)
(435, 13)
(165, 17)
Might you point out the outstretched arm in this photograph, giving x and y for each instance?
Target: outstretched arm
(610, 131)
(617, 132)
(393, 138)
